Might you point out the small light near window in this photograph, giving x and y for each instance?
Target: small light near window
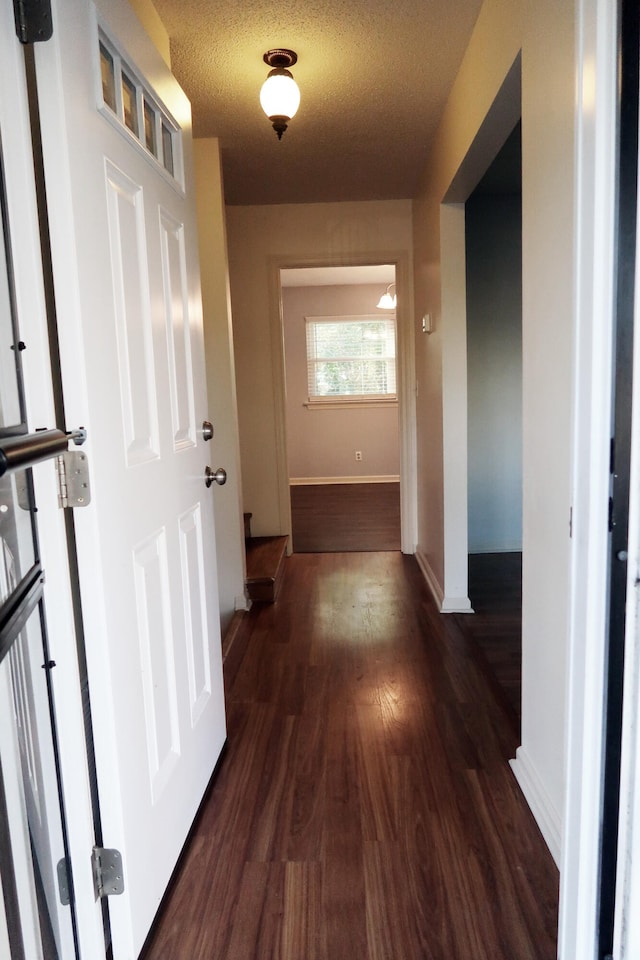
(388, 300)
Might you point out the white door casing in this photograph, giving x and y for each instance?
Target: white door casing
(126, 279)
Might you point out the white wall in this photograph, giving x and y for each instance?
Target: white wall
(221, 386)
(262, 240)
(321, 441)
(472, 131)
(494, 372)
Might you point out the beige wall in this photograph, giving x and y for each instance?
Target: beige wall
(262, 240)
(472, 131)
(322, 441)
(150, 20)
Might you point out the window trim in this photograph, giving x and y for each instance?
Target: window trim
(144, 97)
(336, 400)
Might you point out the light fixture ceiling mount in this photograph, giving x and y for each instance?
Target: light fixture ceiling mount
(280, 96)
(280, 57)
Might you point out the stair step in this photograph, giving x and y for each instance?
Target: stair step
(265, 567)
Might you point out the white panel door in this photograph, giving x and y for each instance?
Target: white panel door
(117, 153)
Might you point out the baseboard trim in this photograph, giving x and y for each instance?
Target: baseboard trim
(444, 604)
(242, 603)
(319, 481)
(430, 578)
(231, 633)
(456, 605)
(535, 793)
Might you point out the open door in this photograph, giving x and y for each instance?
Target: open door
(116, 139)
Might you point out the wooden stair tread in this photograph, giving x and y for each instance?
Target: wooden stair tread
(265, 563)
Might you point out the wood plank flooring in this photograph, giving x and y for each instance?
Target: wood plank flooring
(338, 517)
(364, 809)
(495, 591)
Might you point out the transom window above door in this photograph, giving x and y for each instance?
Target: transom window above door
(128, 99)
(351, 359)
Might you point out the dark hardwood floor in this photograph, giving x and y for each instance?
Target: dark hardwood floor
(364, 809)
(339, 517)
(495, 591)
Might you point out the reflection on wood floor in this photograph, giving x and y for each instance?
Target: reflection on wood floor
(364, 809)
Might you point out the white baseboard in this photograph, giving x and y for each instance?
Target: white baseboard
(535, 793)
(456, 605)
(444, 604)
(318, 481)
(242, 603)
(431, 579)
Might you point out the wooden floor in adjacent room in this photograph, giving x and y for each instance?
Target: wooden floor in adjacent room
(337, 517)
(364, 809)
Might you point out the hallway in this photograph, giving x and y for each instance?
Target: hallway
(364, 808)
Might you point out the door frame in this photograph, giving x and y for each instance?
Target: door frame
(40, 407)
(406, 382)
(500, 119)
(595, 118)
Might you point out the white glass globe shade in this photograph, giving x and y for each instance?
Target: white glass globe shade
(280, 96)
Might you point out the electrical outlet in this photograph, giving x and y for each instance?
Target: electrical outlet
(358, 454)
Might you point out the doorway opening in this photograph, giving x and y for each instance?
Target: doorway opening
(342, 425)
(493, 256)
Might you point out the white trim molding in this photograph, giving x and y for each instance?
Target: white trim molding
(406, 383)
(456, 605)
(546, 815)
(596, 66)
(319, 481)
(444, 604)
(432, 581)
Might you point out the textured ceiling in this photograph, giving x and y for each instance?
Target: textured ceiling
(374, 76)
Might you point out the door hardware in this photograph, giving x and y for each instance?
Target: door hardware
(64, 887)
(73, 479)
(25, 450)
(108, 880)
(218, 476)
(207, 430)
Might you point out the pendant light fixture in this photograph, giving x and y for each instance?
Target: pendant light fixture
(280, 96)
(388, 300)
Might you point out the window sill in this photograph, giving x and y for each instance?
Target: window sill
(343, 404)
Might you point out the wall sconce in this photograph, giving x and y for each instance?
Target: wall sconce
(388, 300)
(280, 96)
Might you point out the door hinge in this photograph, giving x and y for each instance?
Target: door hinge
(33, 20)
(108, 880)
(72, 468)
(64, 888)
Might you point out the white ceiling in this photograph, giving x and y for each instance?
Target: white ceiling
(374, 77)
(338, 276)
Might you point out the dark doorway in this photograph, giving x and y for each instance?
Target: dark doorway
(493, 224)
